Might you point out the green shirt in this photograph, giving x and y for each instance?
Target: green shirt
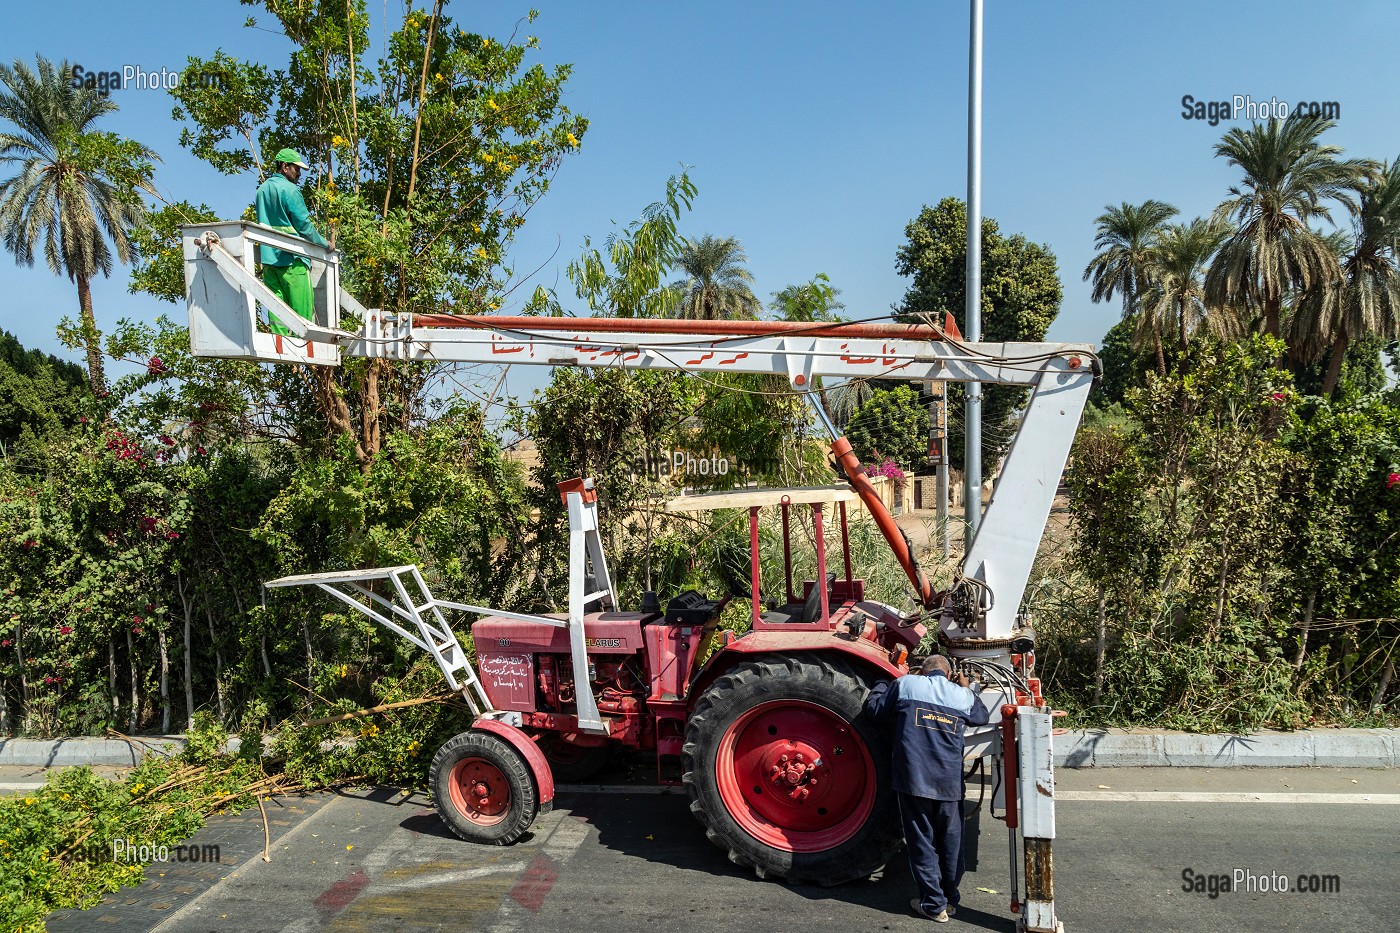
(281, 205)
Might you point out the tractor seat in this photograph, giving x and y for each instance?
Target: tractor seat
(783, 615)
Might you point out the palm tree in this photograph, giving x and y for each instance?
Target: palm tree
(1176, 299)
(1288, 175)
(1125, 239)
(717, 286)
(1366, 300)
(75, 187)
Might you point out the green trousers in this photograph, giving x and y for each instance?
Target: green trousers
(293, 285)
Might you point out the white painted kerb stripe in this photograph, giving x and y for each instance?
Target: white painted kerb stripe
(1175, 796)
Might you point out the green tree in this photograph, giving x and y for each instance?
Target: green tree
(1175, 302)
(1124, 365)
(892, 424)
(427, 161)
(1020, 298)
(1125, 238)
(1289, 175)
(1365, 301)
(811, 301)
(75, 187)
(717, 286)
(40, 397)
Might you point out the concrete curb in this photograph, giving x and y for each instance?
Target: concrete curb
(1077, 748)
(1316, 748)
(58, 753)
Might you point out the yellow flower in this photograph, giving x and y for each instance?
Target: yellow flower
(481, 252)
(573, 140)
(486, 157)
(412, 747)
(476, 227)
(492, 104)
(29, 801)
(339, 140)
(486, 43)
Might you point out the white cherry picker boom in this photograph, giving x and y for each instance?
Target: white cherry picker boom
(790, 780)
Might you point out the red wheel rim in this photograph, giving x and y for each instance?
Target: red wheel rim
(796, 776)
(479, 791)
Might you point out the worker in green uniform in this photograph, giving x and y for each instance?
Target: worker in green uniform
(281, 206)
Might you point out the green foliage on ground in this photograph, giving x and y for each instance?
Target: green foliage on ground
(57, 843)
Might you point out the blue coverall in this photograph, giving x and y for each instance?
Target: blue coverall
(926, 715)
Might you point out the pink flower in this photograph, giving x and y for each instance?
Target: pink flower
(201, 451)
(137, 619)
(171, 535)
(155, 366)
(167, 440)
(1277, 398)
(65, 630)
(30, 543)
(1392, 481)
(7, 643)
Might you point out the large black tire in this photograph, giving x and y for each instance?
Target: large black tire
(571, 763)
(751, 714)
(483, 789)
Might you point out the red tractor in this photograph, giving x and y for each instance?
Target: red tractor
(780, 767)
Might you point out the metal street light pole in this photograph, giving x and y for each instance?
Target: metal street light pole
(972, 457)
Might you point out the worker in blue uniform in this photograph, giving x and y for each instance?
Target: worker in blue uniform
(925, 715)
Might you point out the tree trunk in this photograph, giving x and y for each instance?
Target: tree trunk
(1102, 645)
(189, 683)
(218, 662)
(1271, 315)
(1387, 675)
(92, 340)
(164, 683)
(1334, 365)
(267, 665)
(135, 714)
(1161, 356)
(306, 637)
(1307, 626)
(112, 677)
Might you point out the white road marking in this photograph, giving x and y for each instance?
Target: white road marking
(193, 907)
(1176, 796)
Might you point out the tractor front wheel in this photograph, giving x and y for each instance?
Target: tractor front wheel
(786, 774)
(483, 789)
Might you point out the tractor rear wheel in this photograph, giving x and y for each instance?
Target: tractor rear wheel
(483, 789)
(787, 776)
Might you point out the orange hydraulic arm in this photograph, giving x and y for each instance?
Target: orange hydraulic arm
(898, 541)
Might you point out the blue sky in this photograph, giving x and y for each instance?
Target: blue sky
(815, 130)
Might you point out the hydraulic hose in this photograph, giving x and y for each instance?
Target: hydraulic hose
(894, 535)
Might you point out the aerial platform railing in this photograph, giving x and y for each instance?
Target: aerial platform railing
(416, 616)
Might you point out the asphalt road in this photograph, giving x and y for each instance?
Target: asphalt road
(634, 861)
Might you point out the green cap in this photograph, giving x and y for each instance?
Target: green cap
(291, 157)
